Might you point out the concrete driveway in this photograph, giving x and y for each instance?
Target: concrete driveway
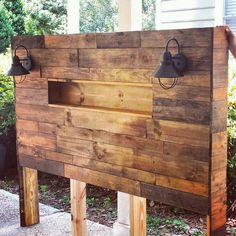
(52, 221)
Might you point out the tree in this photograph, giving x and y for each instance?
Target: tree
(17, 15)
(5, 29)
(98, 16)
(149, 12)
(46, 16)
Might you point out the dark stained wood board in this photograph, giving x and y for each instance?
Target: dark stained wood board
(91, 110)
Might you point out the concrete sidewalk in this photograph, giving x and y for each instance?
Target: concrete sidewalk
(52, 221)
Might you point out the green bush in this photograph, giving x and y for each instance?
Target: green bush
(5, 29)
(7, 110)
(231, 172)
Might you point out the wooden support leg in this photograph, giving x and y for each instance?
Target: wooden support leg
(29, 205)
(138, 216)
(213, 229)
(78, 207)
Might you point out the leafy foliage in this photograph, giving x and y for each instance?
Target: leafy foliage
(5, 29)
(149, 13)
(98, 16)
(7, 110)
(231, 180)
(46, 16)
(16, 15)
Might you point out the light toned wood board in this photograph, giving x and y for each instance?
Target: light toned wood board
(220, 76)
(182, 111)
(220, 109)
(183, 93)
(220, 38)
(40, 113)
(70, 41)
(102, 179)
(78, 207)
(32, 96)
(220, 94)
(186, 37)
(98, 74)
(57, 156)
(219, 160)
(143, 115)
(138, 216)
(27, 125)
(182, 185)
(219, 143)
(66, 73)
(186, 151)
(139, 145)
(104, 95)
(52, 57)
(115, 123)
(109, 58)
(144, 58)
(31, 150)
(33, 83)
(29, 203)
(38, 139)
(47, 128)
(219, 125)
(118, 40)
(74, 146)
(218, 181)
(113, 169)
(166, 165)
(178, 132)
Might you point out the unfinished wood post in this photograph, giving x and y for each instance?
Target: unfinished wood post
(216, 220)
(78, 207)
(29, 205)
(138, 216)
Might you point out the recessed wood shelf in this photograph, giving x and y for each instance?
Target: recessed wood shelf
(112, 97)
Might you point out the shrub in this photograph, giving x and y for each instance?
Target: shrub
(5, 29)
(7, 106)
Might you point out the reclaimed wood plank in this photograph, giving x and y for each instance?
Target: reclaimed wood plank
(40, 113)
(172, 197)
(105, 95)
(186, 37)
(186, 111)
(178, 132)
(70, 41)
(102, 179)
(29, 203)
(119, 40)
(52, 57)
(32, 96)
(182, 185)
(38, 139)
(28, 41)
(48, 166)
(115, 123)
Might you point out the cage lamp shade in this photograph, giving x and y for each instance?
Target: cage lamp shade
(17, 68)
(171, 67)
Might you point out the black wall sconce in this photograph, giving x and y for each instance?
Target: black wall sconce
(171, 67)
(20, 67)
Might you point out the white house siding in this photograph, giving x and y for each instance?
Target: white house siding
(172, 14)
(230, 13)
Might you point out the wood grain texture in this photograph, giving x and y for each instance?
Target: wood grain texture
(29, 204)
(78, 207)
(28, 41)
(91, 110)
(138, 216)
(70, 41)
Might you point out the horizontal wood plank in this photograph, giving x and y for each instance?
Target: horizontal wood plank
(172, 197)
